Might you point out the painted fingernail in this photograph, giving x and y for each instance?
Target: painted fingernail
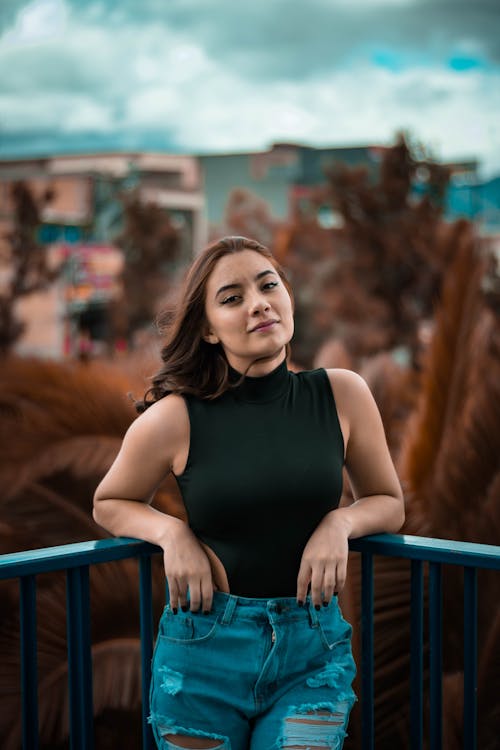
(174, 610)
(300, 603)
(325, 604)
(317, 607)
(184, 608)
(206, 611)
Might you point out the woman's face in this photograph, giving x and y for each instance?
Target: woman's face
(248, 311)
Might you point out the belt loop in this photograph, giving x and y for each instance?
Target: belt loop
(313, 615)
(229, 611)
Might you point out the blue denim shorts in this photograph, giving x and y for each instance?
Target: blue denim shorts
(255, 674)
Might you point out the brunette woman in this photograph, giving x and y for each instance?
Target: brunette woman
(252, 650)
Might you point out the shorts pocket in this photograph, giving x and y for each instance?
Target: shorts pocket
(188, 628)
(333, 629)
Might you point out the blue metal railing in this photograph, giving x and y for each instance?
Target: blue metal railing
(75, 559)
(436, 552)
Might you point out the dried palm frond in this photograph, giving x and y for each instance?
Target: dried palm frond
(450, 461)
(444, 377)
(469, 459)
(49, 401)
(68, 421)
(395, 389)
(488, 686)
(62, 426)
(461, 498)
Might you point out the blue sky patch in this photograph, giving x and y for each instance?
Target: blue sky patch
(389, 59)
(462, 63)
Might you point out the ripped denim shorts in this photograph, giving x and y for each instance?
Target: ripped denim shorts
(253, 674)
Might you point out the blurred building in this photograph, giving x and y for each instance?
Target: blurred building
(86, 215)
(80, 224)
(284, 177)
(474, 198)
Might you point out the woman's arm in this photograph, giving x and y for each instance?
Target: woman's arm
(146, 456)
(152, 446)
(378, 499)
(378, 504)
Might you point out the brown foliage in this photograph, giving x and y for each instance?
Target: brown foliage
(395, 389)
(150, 243)
(247, 215)
(373, 280)
(68, 421)
(26, 262)
(448, 457)
(450, 468)
(451, 448)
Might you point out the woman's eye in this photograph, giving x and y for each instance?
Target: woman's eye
(270, 285)
(228, 300)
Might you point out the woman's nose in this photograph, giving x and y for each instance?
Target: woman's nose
(258, 304)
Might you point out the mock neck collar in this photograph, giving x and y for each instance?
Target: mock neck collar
(262, 388)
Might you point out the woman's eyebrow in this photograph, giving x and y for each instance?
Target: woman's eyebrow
(237, 284)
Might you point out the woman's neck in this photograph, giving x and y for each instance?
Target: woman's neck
(260, 367)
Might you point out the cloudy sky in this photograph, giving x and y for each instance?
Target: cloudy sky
(199, 76)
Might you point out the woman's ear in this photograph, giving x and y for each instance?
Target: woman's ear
(210, 338)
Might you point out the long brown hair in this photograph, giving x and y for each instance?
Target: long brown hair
(190, 364)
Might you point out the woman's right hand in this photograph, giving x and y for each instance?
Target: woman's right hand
(187, 565)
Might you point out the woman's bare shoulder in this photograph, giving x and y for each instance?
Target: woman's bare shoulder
(353, 398)
(148, 451)
(165, 418)
(171, 404)
(347, 384)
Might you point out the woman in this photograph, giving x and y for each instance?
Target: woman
(252, 650)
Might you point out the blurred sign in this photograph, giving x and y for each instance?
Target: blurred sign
(92, 273)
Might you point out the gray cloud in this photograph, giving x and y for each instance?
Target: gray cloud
(287, 39)
(8, 12)
(202, 75)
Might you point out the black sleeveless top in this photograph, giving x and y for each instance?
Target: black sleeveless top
(264, 466)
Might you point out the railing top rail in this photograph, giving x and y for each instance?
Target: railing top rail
(431, 549)
(66, 556)
(48, 559)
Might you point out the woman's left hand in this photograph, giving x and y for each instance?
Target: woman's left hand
(324, 560)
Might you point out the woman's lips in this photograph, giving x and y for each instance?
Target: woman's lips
(264, 326)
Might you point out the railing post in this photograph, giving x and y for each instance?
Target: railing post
(146, 609)
(367, 714)
(416, 652)
(79, 659)
(435, 657)
(29, 671)
(470, 658)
